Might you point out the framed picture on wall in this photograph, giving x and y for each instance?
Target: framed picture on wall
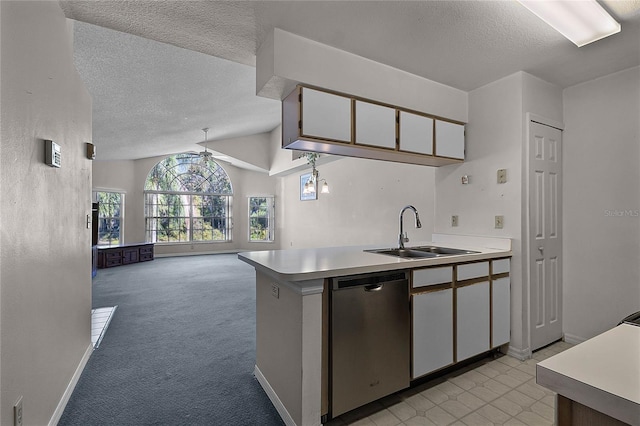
(311, 195)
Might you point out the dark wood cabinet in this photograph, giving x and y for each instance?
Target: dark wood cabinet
(110, 256)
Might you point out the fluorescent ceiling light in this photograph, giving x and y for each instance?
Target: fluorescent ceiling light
(581, 21)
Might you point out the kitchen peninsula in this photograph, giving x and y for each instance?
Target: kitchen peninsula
(597, 381)
(292, 312)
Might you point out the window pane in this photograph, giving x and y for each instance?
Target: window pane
(194, 194)
(110, 209)
(261, 218)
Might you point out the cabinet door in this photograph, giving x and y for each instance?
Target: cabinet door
(375, 125)
(472, 308)
(416, 133)
(432, 331)
(326, 116)
(501, 311)
(449, 139)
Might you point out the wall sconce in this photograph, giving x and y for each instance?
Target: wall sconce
(311, 185)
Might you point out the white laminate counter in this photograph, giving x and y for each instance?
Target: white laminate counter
(308, 264)
(602, 373)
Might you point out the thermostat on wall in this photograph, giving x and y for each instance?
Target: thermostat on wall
(52, 156)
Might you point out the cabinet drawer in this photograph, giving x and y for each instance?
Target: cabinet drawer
(114, 262)
(501, 266)
(146, 250)
(113, 254)
(473, 270)
(146, 256)
(432, 276)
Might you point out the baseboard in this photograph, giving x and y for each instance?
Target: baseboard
(197, 253)
(286, 417)
(574, 340)
(57, 414)
(521, 354)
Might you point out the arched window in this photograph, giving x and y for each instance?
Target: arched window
(187, 199)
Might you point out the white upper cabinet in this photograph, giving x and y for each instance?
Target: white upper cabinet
(416, 133)
(325, 115)
(449, 139)
(329, 122)
(375, 125)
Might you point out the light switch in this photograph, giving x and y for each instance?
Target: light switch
(454, 220)
(499, 222)
(502, 176)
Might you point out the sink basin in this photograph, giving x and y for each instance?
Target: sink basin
(421, 252)
(405, 253)
(443, 251)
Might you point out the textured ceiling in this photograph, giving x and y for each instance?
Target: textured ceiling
(152, 98)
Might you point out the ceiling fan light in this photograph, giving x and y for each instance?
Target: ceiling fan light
(582, 22)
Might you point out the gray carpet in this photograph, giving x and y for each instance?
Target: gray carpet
(180, 349)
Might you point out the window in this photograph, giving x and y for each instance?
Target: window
(261, 212)
(110, 217)
(187, 199)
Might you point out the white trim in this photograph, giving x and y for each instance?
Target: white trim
(196, 253)
(282, 410)
(574, 340)
(57, 414)
(101, 189)
(520, 354)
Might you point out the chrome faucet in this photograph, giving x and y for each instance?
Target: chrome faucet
(403, 237)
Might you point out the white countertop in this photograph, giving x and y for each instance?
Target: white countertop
(309, 264)
(602, 373)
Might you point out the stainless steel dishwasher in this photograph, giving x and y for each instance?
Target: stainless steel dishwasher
(370, 338)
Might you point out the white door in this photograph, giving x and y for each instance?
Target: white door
(545, 234)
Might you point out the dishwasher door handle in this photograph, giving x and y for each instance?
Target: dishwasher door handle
(373, 287)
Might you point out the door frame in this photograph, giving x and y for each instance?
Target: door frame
(526, 271)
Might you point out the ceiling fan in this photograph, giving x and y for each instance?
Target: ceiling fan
(205, 154)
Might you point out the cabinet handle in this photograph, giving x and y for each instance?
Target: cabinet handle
(373, 287)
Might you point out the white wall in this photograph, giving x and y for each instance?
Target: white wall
(493, 141)
(285, 59)
(362, 208)
(130, 176)
(601, 177)
(45, 274)
(495, 137)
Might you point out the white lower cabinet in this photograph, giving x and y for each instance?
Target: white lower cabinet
(432, 331)
(501, 311)
(473, 320)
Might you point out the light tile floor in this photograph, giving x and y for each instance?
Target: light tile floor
(100, 319)
(500, 391)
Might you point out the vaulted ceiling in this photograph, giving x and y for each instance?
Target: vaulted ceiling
(172, 67)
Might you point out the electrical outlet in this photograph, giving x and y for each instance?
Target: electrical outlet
(454, 220)
(499, 222)
(17, 412)
(275, 291)
(502, 176)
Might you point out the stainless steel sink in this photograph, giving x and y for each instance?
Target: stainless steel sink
(444, 251)
(405, 253)
(420, 252)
